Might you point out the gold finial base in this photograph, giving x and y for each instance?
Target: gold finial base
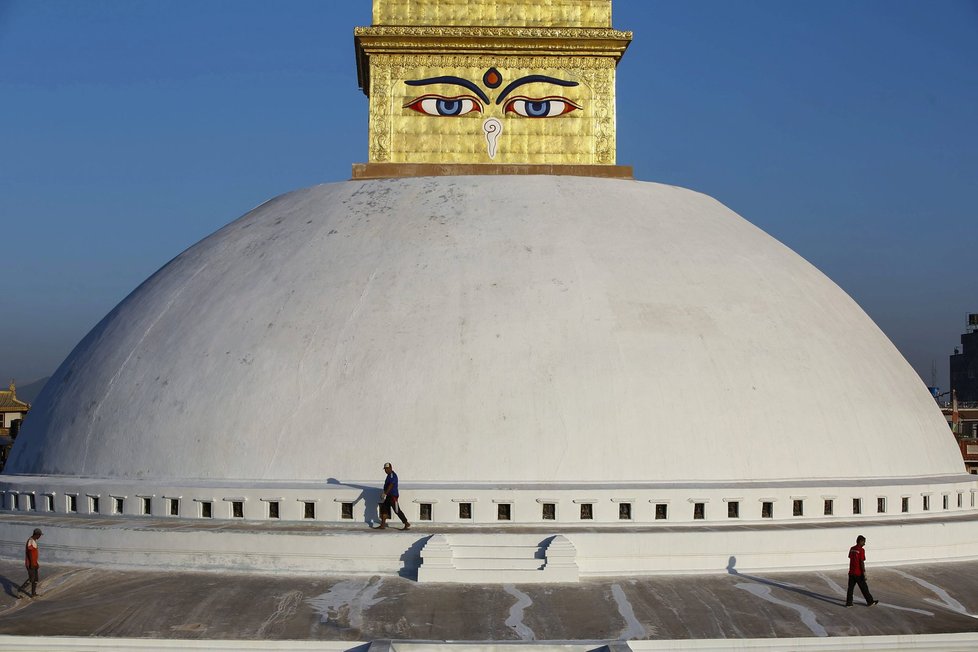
(397, 170)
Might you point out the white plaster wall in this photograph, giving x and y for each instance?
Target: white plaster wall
(760, 549)
(525, 502)
(493, 330)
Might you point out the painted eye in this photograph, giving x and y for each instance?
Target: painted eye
(545, 107)
(445, 106)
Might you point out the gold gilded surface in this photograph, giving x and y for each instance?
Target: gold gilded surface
(402, 135)
(490, 82)
(517, 13)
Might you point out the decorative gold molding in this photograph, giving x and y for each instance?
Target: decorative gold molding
(403, 62)
(446, 39)
(494, 32)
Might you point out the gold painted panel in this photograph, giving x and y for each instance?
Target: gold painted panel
(518, 13)
(439, 118)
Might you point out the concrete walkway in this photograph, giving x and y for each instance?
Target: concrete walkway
(86, 602)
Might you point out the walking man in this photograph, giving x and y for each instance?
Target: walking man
(30, 560)
(857, 573)
(389, 499)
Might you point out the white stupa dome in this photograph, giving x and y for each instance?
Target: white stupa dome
(535, 329)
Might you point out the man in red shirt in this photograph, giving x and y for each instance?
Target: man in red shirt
(857, 573)
(30, 560)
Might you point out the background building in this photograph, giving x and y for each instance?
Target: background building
(964, 364)
(12, 413)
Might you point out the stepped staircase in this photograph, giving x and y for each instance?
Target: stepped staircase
(498, 558)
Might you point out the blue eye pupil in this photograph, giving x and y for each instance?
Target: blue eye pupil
(538, 109)
(449, 107)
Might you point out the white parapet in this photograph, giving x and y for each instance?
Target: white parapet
(480, 555)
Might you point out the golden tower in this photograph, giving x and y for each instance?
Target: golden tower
(490, 87)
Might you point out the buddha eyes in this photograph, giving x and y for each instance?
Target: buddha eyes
(445, 106)
(526, 107)
(546, 107)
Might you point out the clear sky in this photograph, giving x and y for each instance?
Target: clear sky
(130, 129)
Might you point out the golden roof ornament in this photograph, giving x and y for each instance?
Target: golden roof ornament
(490, 87)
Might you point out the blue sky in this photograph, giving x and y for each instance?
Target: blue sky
(131, 129)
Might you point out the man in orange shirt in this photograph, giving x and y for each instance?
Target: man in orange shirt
(857, 573)
(30, 560)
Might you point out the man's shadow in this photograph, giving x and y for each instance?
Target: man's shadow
(370, 497)
(10, 588)
(787, 587)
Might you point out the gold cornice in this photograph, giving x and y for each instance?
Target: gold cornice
(493, 32)
(502, 41)
(461, 45)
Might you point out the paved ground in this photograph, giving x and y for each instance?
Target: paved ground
(76, 601)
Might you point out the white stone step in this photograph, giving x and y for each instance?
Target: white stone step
(497, 552)
(474, 563)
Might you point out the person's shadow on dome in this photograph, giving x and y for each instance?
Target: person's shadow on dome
(370, 497)
(731, 569)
